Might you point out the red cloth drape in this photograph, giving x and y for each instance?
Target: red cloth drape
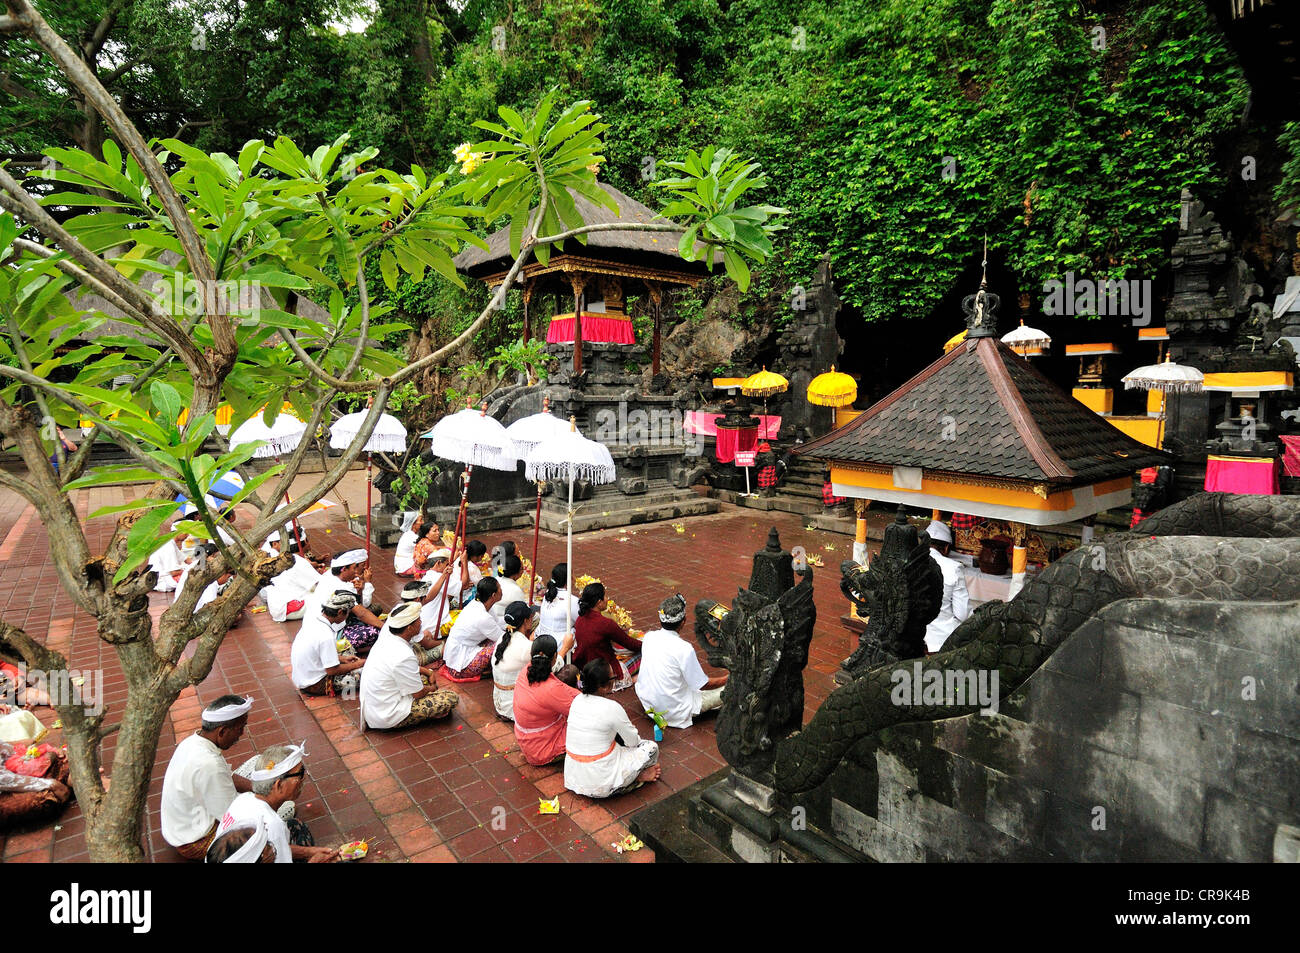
(1291, 459)
(596, 329)
(1241, 475)
(733, 439)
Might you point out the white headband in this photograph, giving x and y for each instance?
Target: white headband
(278, 769)
(228, 712)
(251, 849)
(351, 557)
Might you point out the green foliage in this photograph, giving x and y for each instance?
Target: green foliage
(412, 487)
(521, 357)
(1068, 157)
(1288, 190)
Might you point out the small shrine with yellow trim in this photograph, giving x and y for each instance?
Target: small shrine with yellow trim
(981, 432)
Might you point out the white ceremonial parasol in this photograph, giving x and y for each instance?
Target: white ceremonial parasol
(570, 456)
(473, 438)
(527, 433)
(282, 436)
(1025, 341)
(1168, 377)
(389, 436)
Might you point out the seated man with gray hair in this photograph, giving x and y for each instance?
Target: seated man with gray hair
(278, 776)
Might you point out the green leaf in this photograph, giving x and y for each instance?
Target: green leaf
(144, 539)
(166, 401)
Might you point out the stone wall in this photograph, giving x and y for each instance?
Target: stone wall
(1137, 741)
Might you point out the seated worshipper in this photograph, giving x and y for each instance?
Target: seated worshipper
(169, 563)
(198, 785)
(596, 636)
(955, 607)
(248, 842)
(604, 755)
(447, 582)
(213, 589)
(541, 706)
(429, 543)
(286, 594)
(511, 591)
(559, 607)
(404, 557)
(317, 668)
(512, 655)
(476, 560)
(425, 643)
(393, 695)
(16, 690)
(277, 778)
(474, 635)
(671, 681)
(350, 570)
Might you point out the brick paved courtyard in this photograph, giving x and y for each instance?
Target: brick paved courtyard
(429, 793)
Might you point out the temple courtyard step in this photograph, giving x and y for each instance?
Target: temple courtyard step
(607, 512)
(666, 828)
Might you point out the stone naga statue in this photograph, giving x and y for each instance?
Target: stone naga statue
(763, 643)
(1213, 547)
(899, 594)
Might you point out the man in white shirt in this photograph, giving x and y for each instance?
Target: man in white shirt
(317, 668)
(671, 683)
(393, 694)
(427, 646)
(286, 594)
(955, 608)
(511, 568)
(445, 587)
(277, 777)
(349, 570)
(474, 636)
(169, 563)
(198, 785)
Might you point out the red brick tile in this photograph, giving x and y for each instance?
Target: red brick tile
(405, 821)
(436, 855)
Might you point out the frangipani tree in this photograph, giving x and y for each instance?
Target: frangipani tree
(231, 242)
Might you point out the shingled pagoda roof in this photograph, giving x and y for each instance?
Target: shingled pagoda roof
(657, 250)
(1001, 418)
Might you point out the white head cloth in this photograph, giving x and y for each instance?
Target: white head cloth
(228, 712)
(280, 768)
(252, 848)
(350, 558)
(939, 532)
(672, 609)
(408, 520)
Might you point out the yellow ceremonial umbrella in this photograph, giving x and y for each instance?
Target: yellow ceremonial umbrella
(764, 384)
(953, 341)
(832, 389)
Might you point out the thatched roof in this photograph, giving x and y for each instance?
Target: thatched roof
(648, 249)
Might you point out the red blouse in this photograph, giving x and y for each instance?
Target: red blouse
(596, 635)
